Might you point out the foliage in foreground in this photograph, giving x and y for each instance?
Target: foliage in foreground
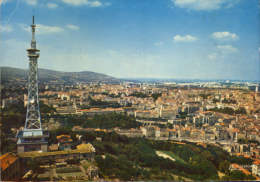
(119, 157)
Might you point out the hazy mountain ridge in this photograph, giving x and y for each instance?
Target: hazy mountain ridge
(45, 75)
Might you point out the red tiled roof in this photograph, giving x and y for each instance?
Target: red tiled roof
(6, 160)
(240, 168)
(257, 162)
(63, 136)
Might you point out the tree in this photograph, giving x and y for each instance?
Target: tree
(33, 164)
(238, 175)
(241, 160)
(155, 96)
(46, 109)
(224, 166)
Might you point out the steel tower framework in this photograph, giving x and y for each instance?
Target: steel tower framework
(33, 117)
(32, 137)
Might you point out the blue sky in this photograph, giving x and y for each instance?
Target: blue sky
(202, 39)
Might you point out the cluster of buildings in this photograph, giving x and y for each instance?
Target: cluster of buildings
(15, 167)
(229, 118)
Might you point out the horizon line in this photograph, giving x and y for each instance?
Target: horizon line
(145, 78)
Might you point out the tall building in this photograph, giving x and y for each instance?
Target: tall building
(32, 137)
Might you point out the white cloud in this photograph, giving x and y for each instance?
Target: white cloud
(160, 43)
(186, 38)
(222, 52)
(46, 29)
(43, 29)
(31, 2)
(76, 2)
(95, 4)
(6, 28)
(52, 5)
(205, 5)
(91, 3)
(227, 48)
(72, 27)
(224, 36)
(213, 56)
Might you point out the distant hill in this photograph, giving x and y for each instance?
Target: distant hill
(9, 74)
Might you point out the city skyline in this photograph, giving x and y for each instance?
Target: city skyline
(190, 39)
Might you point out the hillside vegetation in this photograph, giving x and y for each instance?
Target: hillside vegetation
(10, 74)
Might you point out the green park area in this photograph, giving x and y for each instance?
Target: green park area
(119, 157)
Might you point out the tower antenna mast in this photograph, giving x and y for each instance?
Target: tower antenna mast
(32, 137)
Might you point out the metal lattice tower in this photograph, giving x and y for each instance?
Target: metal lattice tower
(33, 117)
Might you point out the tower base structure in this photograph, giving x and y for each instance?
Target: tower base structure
(32, 140)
